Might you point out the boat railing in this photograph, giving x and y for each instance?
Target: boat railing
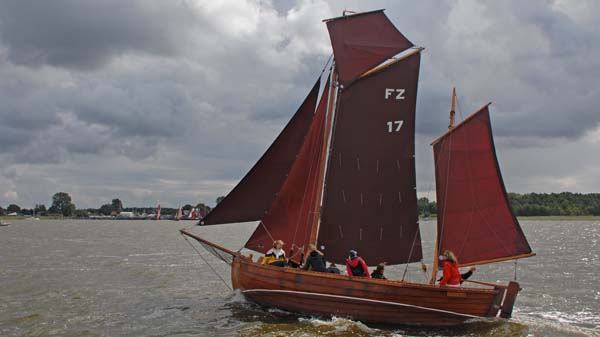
(487, 284)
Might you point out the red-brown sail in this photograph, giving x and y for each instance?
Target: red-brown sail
(254, 194)
(370, 202)
(475, 220)
(362, 41)
(290, 217)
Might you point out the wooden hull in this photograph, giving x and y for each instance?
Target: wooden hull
(367, 300)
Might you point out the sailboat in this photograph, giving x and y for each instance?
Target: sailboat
(341, 175)
(157, 217)
(194, 214)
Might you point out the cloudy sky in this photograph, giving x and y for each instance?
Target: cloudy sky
(173, 101)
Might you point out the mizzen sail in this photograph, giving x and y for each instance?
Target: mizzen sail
(254, 194)
(362, 41)
(475, 220)
(370, 203)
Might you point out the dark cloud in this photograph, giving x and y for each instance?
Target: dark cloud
(174, 101)
(87, 34)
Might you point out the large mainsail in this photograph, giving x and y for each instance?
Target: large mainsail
(255, 193)
(475, 220)
(290, 216)
(370, 202)
(362, 41)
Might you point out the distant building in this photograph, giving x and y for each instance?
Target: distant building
(126, 215)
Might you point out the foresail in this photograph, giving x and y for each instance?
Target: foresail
(290, 218)
(255, 193)
(370, 203)
(362, 41)
(475, 220)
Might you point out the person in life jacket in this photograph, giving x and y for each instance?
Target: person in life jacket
(276, 255)
(451, 276)
(356, 266)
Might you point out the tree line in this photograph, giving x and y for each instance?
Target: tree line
(62, 205)
(528, 204)
(538, 204)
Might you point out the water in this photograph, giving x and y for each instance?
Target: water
(141, 278)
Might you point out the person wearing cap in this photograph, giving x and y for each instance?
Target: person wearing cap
(378, 272)
(276, 255)
(315, 260)
(356, 266)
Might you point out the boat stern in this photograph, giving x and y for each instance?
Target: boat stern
(509, 299)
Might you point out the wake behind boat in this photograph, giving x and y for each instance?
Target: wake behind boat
(341, 175)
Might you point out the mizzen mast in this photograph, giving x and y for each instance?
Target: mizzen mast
(452, 109)
(436, 250)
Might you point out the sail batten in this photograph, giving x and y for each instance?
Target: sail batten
(475, 219)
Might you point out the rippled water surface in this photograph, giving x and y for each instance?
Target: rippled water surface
(140, 278)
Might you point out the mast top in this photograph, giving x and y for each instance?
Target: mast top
(445, 134)
(352, 14)
(452, 109)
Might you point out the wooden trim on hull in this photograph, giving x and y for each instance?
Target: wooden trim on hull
(362, 309)
(369, 300)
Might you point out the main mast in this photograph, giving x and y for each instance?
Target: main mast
(329, 113)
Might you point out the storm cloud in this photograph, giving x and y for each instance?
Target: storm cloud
(172, 101)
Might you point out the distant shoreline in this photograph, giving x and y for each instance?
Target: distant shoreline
(22, 217)
(523, 218)
(560, 217)
(547, 218)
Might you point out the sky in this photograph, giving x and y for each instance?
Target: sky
(171, 102)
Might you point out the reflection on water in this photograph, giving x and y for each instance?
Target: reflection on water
(140, 278)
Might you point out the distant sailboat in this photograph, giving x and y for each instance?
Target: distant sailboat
(194, 214)
(178, 214)
(341, 175)
(157, 213)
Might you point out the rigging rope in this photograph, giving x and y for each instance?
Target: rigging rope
(411, 251)
(207, 263)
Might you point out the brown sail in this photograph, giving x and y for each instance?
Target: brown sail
(254, 194)
(370, 202)
(475, 220)
(290, 216)
(362, 41)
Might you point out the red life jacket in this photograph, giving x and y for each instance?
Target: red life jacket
(451, 274)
